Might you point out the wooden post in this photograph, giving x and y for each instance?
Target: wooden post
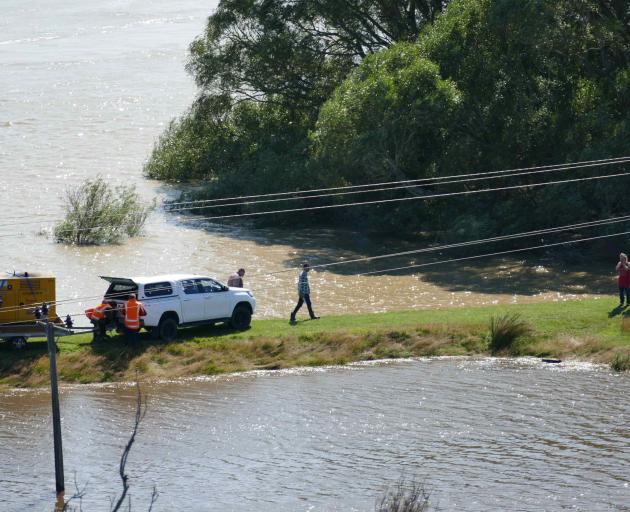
(52, 352)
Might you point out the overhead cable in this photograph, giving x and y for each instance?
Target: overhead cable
(414, 198)
(605, 161)
(499, 253)
(436, 180)
(386, 189)
(557, 229)
(569, 227)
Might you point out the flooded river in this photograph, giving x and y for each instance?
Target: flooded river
(86, 90)
(481, 434)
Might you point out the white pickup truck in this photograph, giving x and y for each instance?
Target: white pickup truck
(179, 300)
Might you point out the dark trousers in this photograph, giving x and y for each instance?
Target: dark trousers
(622, 292)
(101, 328)
(301, 301)
(132, 336)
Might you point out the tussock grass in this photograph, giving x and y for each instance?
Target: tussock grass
(621, 363)
(505, 330)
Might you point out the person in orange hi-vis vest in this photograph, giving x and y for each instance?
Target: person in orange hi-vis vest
(99, 316)
(133, 311)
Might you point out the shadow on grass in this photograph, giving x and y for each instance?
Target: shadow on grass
(618, 311)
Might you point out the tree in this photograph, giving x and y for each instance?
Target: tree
(97, 213)
(389, 119)
(296, 52)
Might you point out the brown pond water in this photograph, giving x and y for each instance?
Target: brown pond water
(482, 434)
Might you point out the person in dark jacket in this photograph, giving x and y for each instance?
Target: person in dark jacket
(304, 295)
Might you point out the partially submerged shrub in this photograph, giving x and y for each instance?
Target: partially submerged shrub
(621, 363)
(405, 497)
(98, 213)
(505, 330)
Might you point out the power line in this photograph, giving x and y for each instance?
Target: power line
(336, 194)
(581, 225)
(361, 203)
(577, 164)
(494, 175)
(494, 253)
(556, 229)
(415, 198)
(409, 184)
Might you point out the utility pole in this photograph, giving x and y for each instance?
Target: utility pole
(54, 390)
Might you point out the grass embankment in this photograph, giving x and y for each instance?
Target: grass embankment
(587, 330)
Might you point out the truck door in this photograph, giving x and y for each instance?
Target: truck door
(217, 299)
(193, 307)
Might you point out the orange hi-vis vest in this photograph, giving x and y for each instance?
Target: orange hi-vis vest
(133, 311)
(98, 313)
(89, 313)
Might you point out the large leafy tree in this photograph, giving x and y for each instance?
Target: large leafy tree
(286, 56)
(389, 120)
(542, 83)
(297, 51)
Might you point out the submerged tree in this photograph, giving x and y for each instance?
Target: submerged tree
(98, 213)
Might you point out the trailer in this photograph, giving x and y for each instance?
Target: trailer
(20, 296)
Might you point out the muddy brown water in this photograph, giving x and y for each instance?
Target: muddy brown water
(481, 434)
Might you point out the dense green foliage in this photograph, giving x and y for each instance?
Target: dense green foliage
(308, 93)
(97, 213)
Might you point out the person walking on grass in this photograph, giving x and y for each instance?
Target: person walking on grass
(623, 279)
(304, 295)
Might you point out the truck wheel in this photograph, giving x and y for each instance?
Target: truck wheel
(167, 329)
(18, 343)
(241, 318)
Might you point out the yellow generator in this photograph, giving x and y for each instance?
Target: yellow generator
(20, 294)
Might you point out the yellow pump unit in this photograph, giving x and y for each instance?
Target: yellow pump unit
(21, 293)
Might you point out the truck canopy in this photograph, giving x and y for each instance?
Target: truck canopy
(119, 287)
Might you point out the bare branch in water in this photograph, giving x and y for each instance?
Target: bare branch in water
(79, 493)
(141, 410)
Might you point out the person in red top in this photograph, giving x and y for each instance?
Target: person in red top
(623, 271)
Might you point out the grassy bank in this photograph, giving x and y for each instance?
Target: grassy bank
(588, 330)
